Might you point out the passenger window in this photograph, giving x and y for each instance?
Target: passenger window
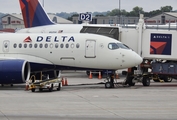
(72, 45)
(46, 45)
(77, 45)
(30, 45)
(20, 45)
(61, 45)
(41, 45)
(67, 45)
(25, 45)
(15, 45)
(51, 45)
(56, 45)
(35, 45)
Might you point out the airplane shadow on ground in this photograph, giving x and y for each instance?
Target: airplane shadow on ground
(94, 86)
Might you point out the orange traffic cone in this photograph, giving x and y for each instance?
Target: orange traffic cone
(66, 82)
(129, 70)
(27, 87)
(117, 76)
(99, 76)
(90, 76)
(63, 81)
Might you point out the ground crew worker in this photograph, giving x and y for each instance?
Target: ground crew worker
(27, 84)
(112, 80)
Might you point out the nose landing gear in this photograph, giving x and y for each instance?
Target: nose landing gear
(110, 81)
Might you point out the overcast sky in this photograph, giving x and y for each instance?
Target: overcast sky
(57, 6)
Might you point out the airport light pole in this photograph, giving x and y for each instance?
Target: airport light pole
(119, 12)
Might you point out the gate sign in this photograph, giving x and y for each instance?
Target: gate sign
(85, 17)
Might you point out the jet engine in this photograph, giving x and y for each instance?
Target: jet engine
(14, 71)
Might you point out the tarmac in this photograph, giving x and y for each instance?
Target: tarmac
(87, 99)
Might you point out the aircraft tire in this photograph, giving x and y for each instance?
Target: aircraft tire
(167, 79)
(33, 90)
(130, 81)
(88, 73)
(146, 81)
(59, 87)
(51, 88)
(108, 85)
(40, 89)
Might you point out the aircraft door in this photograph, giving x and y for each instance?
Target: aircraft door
(5, 46)
(90, 49)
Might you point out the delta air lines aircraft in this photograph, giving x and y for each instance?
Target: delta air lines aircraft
(23, 55)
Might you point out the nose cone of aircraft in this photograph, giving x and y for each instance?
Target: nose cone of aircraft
(138, 60)
(131, 59)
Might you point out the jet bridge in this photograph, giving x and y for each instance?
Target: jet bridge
(110, 31)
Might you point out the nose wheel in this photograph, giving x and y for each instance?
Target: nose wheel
(109, 85)
(110, 81)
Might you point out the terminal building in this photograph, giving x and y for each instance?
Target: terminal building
(162, 19)
(15, 21)
(109, 20)
(0, 25)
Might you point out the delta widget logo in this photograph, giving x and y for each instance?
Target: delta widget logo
(160, 44)
(27, 40)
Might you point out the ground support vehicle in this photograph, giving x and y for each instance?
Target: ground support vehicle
(157, 46)
(49, 84)
(159, 71)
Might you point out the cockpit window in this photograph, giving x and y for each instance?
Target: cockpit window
(113, 46)
(122, 46)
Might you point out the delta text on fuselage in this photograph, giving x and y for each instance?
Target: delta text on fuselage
(55, 39)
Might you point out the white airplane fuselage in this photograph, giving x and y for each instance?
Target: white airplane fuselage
(75, 50)
(55, 28)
